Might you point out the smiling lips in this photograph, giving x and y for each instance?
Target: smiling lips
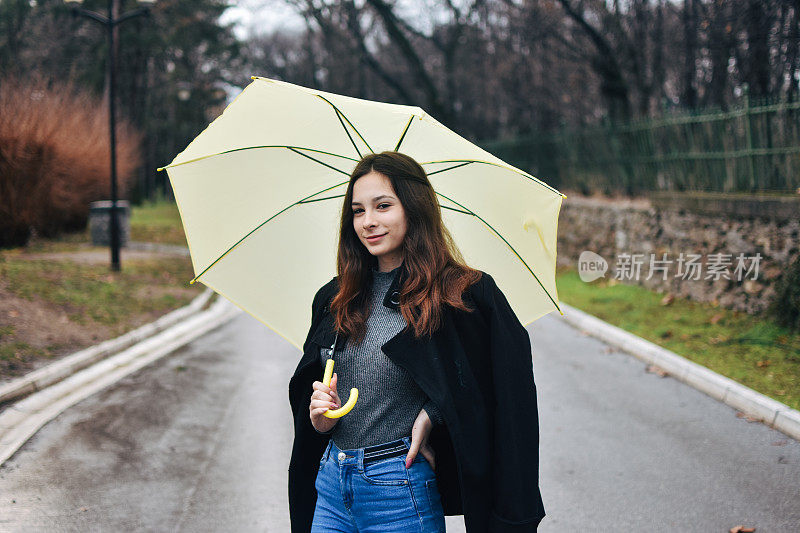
(376, 238)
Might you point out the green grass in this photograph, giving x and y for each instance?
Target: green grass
(13, 355)
(67, 242)
(91, 296)
(94, 293)
(157, 221)
(751, 350)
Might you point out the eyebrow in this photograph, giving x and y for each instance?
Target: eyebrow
(376, 199)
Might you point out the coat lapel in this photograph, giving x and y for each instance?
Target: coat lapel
(392, 297)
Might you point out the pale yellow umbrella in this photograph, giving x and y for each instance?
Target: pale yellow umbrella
(260, 195)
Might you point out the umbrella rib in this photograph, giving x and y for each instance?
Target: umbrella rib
(320, 199)
(301, 201)
(524, 174)
(448, 168)
(255, 148)
(318, 161)
(470, 212)
(456, 210)
(403, 136)
(343, 116)
(346, 130)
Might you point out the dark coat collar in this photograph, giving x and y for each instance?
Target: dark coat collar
(392, 298)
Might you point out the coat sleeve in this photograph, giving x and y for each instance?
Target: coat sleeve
(517, 503)
(433, 412)
(317, 306)
(307, 446)
(316, 314)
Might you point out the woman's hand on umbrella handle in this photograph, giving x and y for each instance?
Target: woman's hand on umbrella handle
(351, 401)
(323, 398)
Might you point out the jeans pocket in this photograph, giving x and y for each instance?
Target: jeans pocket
(434, 498)
(391, 471)
(423, 467)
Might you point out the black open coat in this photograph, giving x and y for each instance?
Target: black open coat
(478, 370)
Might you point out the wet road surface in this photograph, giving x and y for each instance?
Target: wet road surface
(200, 441)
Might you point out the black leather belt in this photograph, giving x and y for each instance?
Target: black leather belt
(384, 451)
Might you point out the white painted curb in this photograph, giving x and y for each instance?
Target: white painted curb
(54, 372)
(20, 421)
(753, 404)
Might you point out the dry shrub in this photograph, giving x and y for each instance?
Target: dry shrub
(55, 158)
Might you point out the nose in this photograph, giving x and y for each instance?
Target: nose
(367, 221)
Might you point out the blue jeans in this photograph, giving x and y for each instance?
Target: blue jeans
(379, 496)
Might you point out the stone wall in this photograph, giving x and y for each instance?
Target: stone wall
(625, 233)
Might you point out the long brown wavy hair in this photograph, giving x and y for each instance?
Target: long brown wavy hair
(436, 271)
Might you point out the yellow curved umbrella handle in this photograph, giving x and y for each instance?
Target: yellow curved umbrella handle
(351, 401)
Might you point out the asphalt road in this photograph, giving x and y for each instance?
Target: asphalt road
(200, 441)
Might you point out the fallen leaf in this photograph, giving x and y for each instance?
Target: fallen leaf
(653, 369)
(668, 299)
(763, 363)
(716, 318)
(780, 443)
(13, 313)
(741, 529)
(740, 414)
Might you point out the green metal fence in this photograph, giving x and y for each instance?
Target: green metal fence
(754, 146)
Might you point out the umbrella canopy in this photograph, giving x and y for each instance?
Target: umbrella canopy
(260, 194)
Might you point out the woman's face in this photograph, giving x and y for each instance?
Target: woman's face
(377, 212)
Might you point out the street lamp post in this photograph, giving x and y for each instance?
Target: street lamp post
(111, 21)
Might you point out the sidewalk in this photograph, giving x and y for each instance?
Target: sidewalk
(97, 255)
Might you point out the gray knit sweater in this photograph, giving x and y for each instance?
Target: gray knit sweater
(388, 398)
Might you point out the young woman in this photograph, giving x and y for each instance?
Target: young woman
(446, 420)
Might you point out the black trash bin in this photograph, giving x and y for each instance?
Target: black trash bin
(100, 222)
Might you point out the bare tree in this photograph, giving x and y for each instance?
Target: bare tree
(494, 68)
